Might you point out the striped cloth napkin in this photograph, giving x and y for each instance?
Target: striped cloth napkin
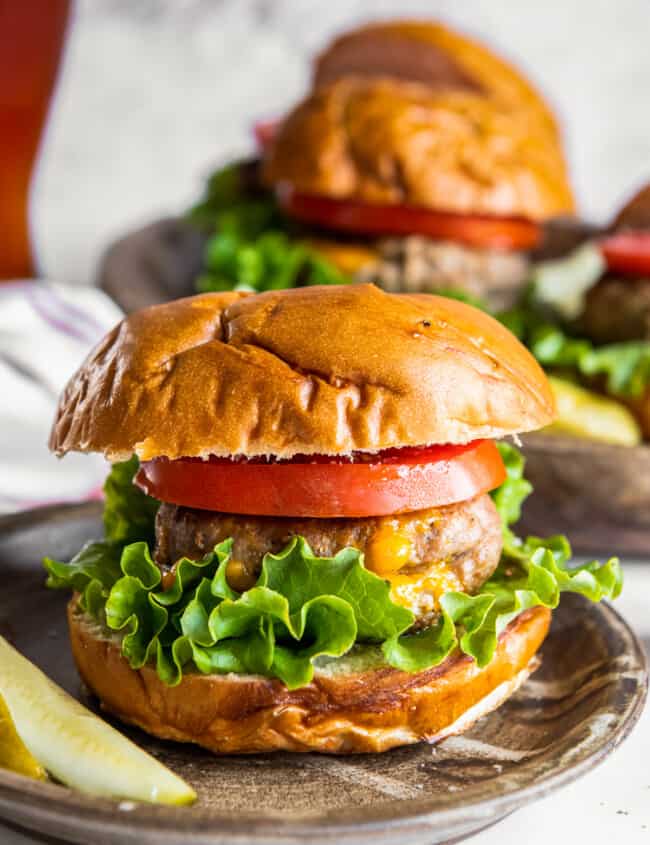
(46, 330)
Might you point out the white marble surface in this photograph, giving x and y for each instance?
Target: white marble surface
(154, 92)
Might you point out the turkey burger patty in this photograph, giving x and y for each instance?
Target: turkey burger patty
(422, 554)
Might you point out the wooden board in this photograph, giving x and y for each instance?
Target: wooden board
(596, 494)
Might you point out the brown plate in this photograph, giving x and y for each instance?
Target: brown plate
(595, 493)
(575, 710)
(154, 264)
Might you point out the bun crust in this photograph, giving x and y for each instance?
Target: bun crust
(326, 370)
(635, 214)
(428, 52)
(378, 140)
(366, 711)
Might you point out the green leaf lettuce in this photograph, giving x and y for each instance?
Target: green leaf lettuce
(128, 512)
(252, 245)
(544, 322)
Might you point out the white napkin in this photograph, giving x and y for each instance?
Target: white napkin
(46, 330)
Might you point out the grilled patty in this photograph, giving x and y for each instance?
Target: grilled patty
(617, 310)
(422, 554)
(415, 264)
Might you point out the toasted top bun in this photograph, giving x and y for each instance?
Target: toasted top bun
(430, 53)
(635, 214)
(311, 370)
(352, 705)
(393, 142)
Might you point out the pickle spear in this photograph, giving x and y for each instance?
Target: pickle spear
(77, 747)
(582, 413)
(14, 755)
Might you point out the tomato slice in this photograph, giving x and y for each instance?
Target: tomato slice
(508, 233)
(395, 481)
(627, 252)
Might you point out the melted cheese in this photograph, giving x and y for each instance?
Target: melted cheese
(238, 577)
(408, 590)
(347, 257)
(390, 551)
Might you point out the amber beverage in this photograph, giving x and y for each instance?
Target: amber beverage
(32, 33)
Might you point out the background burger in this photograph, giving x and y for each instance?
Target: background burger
(587, 320)
(419, 161)
(316, 554)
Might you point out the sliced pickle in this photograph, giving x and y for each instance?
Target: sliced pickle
(582, 413)
(77, 747)
(14, 755)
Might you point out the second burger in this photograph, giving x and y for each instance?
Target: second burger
(420, 161)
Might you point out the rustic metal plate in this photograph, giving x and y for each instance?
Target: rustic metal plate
(575, 710)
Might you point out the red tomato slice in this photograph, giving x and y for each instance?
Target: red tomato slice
(386, 483)
(627, 252)
(506, 233)
(264, 132)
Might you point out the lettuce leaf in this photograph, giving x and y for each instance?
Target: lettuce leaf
(271, 261)
(304, 607)
(301, 607)
(235, 200)
(98, 562)
(253, 247)
(510, 496)
(624, 367)
(129, 514)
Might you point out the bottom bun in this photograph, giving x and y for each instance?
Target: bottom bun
(354, 704)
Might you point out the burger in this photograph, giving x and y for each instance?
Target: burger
(308, 520)
(586, 317)
(617, 307)
(419, 161)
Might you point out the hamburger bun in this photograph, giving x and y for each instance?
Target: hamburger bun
(430, 53)
(411, 112)
(316, 370)
(635, 214)
(387, 141)
(354, 704)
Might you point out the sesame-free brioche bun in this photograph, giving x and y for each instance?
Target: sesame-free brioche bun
(316, 370)
(412, 112)
(430, 53)
(635, 214)
(386, 141)
(354, 704)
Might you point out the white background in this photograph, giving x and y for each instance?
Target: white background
(155, 92)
